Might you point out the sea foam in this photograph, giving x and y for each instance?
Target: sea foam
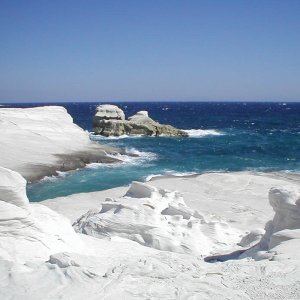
(95, 137)
(202, 132)
(190, 132)
(140, 157)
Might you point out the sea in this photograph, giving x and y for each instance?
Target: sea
(223, 137)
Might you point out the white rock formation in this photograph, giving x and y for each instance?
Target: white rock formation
(119, 268)
(108, 112)
(284, 227)
(240, 198)
(109, 120)
(140, 116)
(159, 219)
(30, 231)
(36, 141)
(286, 222)
(232, 197)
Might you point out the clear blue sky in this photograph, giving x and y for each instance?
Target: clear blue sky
(149, 50)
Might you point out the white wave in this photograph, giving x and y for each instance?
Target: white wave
(101, 165)
(62, 174)
(190, 132)
(96, 137)
(48, 178)
(142, 154)
(202, 132)
(139, 158)
(52, 178)
(291, 171)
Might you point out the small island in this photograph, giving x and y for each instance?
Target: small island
(109, 120)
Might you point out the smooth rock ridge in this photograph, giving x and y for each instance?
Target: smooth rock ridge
(109, 120)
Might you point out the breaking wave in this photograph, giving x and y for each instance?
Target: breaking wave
(137, 158)
(190, 132)
(202, 132)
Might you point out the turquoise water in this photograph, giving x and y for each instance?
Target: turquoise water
(229, 137)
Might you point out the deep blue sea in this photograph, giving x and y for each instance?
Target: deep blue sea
(226, 137)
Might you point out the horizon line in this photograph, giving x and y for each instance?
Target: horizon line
(149, 101)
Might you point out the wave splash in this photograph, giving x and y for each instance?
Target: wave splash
(95, 137)
(202, 132)
(139, 158)
(190, 132)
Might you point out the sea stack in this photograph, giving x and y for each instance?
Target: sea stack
(109, 120)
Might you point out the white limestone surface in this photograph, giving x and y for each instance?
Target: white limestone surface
(140, 116)
(115, 266)
(284, 227)
(108, 111)
(159, 219)
(30, 231)
(32, 139)
(238, 198)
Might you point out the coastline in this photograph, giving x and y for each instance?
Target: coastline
(237, 205)
(197, 190)
(272, 174)
(206, 237)
(39, 141)
(209, 235)
(71, 161)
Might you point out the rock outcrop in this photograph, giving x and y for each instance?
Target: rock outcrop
(109, 112)
(286, 222)
(109, 120)
(42, 258)
(39, 141)
(30, 231)
(158, 219)
(285, 226)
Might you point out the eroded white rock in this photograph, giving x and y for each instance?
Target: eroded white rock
(35, 141)
(109, 120)
(283, 227)
(118, 268)
(109, 112)
(12, 188)
(140, 116)
(30, 231)
(286, 204)
(159, 219)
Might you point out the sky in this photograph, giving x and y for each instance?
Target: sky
(52, 51)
